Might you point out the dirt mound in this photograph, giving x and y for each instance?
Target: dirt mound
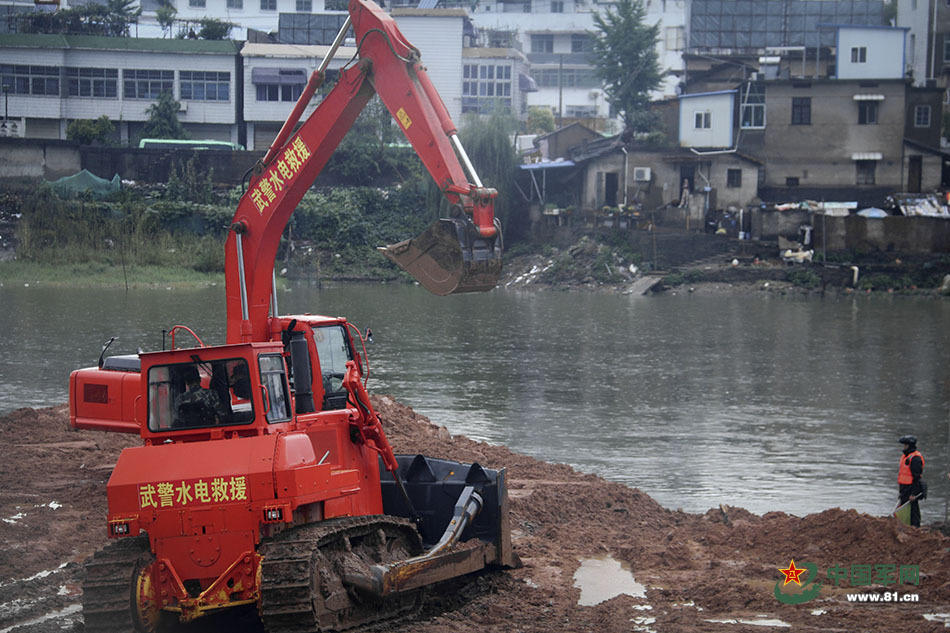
(701, 572)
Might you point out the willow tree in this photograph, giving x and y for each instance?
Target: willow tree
(624, 55)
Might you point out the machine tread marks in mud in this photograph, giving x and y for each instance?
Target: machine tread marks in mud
(303, 568)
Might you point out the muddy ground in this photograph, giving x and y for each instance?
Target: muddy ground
(702, 572)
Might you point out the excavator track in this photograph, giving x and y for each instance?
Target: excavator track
(106, 593)
(302, 588)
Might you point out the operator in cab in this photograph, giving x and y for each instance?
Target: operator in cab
(199, 406)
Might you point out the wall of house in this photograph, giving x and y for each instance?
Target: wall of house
(720, 109)
(916, 17)
(881, 53)
(820, 154)
(439, 40)
(893, 233)
(29, 158)
(932, 100)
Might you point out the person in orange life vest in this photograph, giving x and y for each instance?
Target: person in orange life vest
(910, 486)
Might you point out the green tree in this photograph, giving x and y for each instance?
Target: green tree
(163, 119)
(540, 120)
(214, 29)
(87, 132)
(113, 19)
(487, 141)
(624, 54)
(165, 16)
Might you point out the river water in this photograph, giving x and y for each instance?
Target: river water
(759, 401)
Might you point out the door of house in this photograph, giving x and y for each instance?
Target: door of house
(611, 186)
(914, 173)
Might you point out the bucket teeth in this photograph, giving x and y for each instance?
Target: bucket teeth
(419, 471)
(477, 475)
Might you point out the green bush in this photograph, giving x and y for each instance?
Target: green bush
(804, 278)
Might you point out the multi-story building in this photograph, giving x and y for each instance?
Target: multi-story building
(927, 53)
(49, 80)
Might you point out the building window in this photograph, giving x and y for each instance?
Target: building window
(268, 5)
(733, 178)
(30, 80)
(235, 4)
(542, 43)
(200, 85)
(485, 86)
(92, 82)
(569, 78)
(580, 111)
(304, 6)
(278, 92)
(557, 6)
(752, 110)
(946, 48)
(791, 181)
(801, 110)
(146, 84)
(580, 43)
(702, 120)
(865, 171)
(922, 116)
(196, 4)
(859, 54)
(867, 112)
(674, 38)
(335, 5)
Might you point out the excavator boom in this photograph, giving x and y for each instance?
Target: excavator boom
(461, 253)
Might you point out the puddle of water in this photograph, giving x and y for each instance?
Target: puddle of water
(601, 579)
(761, 622)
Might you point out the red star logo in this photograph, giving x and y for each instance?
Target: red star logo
(792, 574)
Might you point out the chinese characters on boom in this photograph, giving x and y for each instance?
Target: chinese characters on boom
(272, 182)
(169, 494)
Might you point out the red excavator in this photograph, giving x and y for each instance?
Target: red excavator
(265, 478)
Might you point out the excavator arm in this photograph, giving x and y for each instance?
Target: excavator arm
(461, 253)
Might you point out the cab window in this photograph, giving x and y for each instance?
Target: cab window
(333, 350)
(199, 394)
(274, 380)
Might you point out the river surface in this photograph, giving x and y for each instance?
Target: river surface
(764, 402)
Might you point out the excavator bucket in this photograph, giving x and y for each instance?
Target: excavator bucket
(449, 257)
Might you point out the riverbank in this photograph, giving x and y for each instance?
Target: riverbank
(716, 571)
(587, 264)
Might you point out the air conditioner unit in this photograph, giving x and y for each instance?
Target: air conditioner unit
(641, 174)
(182, 106)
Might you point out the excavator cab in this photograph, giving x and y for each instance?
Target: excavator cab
(450, 257)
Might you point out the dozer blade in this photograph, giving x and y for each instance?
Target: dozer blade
(435, 486)
(448, 258)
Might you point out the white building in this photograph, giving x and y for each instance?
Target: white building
(274, 77)
(870, 52)
(706, 119)
(53, 79)
(555, 36)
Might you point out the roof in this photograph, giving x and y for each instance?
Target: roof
(593, 133)
(428, 13)
(494, 53)
(708, 94)
(303, 51)
(548, 164)
(97, 42)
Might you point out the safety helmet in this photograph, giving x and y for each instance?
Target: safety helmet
(908, 439)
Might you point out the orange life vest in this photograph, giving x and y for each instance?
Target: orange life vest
(904, 476)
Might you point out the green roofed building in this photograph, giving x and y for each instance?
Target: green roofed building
(50, 80)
